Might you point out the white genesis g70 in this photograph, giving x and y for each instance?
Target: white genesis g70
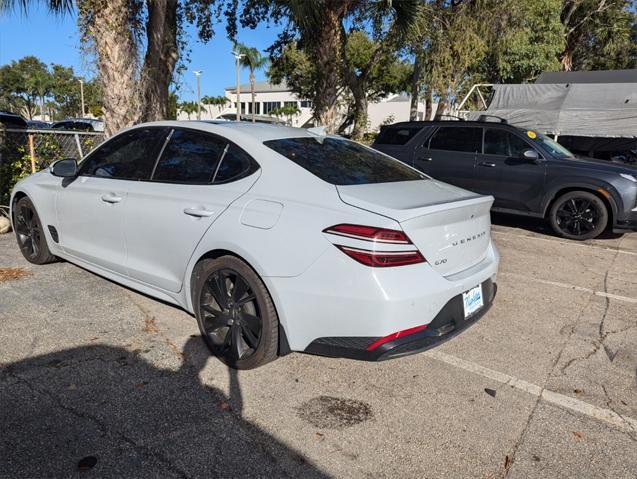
(277, 239)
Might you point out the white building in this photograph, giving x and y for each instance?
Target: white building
(269, 97)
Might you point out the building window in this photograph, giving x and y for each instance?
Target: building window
(257, 109)
(291, 103)
(306, 104)
(268, 106)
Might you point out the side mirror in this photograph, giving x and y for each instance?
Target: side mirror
(66, 168)
(530, 155)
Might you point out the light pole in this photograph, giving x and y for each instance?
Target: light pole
(198, 75)
(82, 96)
(238, 56)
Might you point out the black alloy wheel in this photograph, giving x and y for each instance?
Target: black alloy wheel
(29, 233)
(235, 313)
(579, 215)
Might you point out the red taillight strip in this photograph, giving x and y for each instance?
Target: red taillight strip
(383, 259)
(369, 233)
(391, 337)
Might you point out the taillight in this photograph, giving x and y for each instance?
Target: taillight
(382, 258)
(369, 233)
(374, 257)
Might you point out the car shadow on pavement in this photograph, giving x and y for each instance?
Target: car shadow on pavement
(103, 411)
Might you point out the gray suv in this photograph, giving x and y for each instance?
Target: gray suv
(526, 172)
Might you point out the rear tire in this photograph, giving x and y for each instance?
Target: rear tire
(235, 313)
(30, 234)
(578, 215)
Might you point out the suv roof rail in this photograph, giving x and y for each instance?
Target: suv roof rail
(486, 117)
(457, 118)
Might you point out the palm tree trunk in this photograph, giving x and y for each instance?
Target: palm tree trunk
(159, 62)
(117, 62)
(415, 88)
(328, 48)
(253, 95)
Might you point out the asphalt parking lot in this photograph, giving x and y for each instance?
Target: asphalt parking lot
(545, 385)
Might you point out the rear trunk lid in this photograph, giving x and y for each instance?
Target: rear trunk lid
(450, 226)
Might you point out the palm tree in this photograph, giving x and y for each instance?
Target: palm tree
(253, 60)
(135, 82)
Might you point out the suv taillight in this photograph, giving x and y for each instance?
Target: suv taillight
(374, 257)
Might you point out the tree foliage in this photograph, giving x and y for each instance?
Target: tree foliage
(29, 87)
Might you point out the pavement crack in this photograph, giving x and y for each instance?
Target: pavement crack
(632, 433)
(103, 428)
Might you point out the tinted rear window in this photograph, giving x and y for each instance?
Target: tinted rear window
(457, 139)
(343, 162)
(395, 135)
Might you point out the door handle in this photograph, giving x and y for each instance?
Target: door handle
(198, 212)
(424, 159)
(487, 164)
(111, 198)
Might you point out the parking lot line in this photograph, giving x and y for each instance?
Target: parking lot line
(571, 286)
(608, 416)
(566, 243)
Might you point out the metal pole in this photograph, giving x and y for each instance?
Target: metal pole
(82, 96)
(238, 88)
(238, 56)
(198, 75)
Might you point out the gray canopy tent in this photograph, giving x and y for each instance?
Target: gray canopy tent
(606, 110)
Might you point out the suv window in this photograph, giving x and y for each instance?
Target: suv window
(189, 157)
(128, 156)
(504, 143)
(343, 162)
(396, 135)
(236, 164)
(457, 139)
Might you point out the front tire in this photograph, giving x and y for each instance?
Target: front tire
(30, 234)
(578, 215)
(235, 313)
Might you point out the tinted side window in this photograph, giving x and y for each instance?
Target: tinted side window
(504, 143)
(457, 139)
(129, 156)
(189, 157)
(395, 135)
(236, 164)
(343, 162)
(496, 142)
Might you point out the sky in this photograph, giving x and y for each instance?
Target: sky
(56, 40)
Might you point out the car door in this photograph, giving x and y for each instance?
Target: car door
(90, 207)
(449, 154)
(196, 178)
(515, 182)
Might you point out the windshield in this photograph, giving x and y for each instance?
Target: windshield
(552, 146)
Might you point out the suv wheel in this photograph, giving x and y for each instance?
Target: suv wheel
(578, 215)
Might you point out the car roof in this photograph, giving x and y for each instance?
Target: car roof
(237, 130)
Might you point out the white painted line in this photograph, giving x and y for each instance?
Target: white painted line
(605, 415)
(566, 243)
(603, 294)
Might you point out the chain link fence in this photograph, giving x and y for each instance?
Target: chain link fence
(23, 152)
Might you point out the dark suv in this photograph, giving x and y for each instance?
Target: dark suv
(526, 172)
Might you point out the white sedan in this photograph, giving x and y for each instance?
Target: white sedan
(277, 239)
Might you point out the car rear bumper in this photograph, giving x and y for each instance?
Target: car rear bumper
(628, 223)
(448, 323)
(338, 297)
